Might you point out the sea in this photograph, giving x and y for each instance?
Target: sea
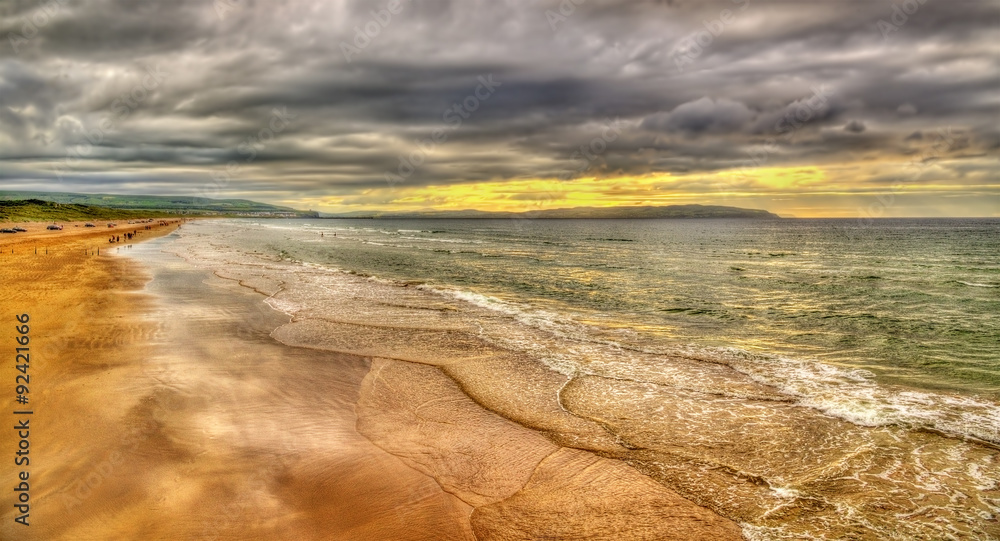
(808, 378)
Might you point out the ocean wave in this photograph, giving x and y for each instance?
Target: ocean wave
(453, 241)
(854, 395)
(851, 394)
(976, 284)
(737, 421)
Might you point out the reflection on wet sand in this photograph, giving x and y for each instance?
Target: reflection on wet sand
(706, 431)
(366, 409)
(175, 416)
(269, 430)
(180, 417)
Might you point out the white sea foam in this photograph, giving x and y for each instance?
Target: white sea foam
(478, 299)
(851, 394)
(854, 395)
(450, 241)
(635, 368)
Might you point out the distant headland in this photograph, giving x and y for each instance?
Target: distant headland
(643, 212)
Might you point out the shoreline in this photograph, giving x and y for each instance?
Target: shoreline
(154, 448)
(116, 457)
(706, 431)
(76, 234)
(86, 327)
(523, 491)
(343, 406)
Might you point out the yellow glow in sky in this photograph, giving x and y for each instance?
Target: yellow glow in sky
(808, 191)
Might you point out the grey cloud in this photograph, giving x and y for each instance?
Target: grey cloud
(705, 115)
(855, 126)
(754, 83)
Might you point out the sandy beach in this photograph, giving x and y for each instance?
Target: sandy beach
(164, 409)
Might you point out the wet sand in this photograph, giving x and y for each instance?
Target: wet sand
(696, 424)
(165, 409)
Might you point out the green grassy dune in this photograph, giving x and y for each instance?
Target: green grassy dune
(36, 210)
(159, 203)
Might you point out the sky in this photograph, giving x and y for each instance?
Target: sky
(839, 108)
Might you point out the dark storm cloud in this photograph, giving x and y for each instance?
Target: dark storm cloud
(855, 126)
(702, 116)
(696, 86)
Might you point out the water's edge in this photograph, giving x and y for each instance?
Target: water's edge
(718, 432)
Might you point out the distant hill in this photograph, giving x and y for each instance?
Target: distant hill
(36, 210)
(671, 211)
(161, 203)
